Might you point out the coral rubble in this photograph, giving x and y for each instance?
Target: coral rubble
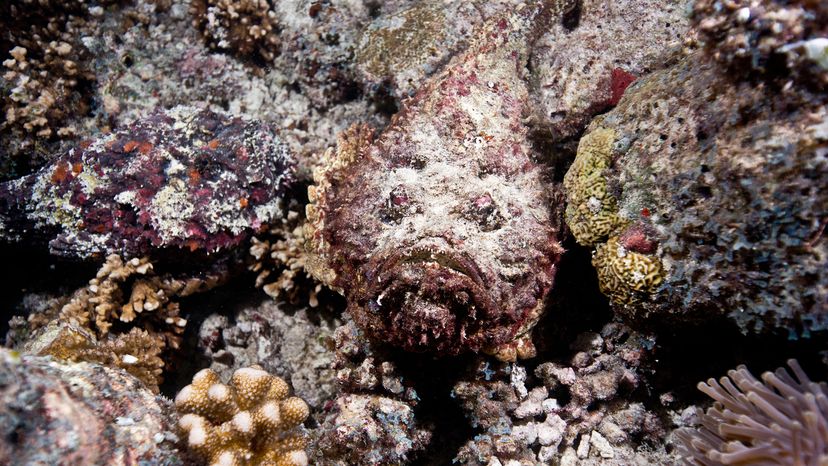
(441, 231)
(82, 413)
(246, 27)
(250, 421)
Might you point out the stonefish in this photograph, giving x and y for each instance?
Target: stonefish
(441, 232)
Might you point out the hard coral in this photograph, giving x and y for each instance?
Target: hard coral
(781, 420)
(47, 76)
(137, 352)
(720, 179)
(245, 27)
(181, 178)
(440, 232)
(281, 252)
(251, 421)
(591, 211)
(626, 276)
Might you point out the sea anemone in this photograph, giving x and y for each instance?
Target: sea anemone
(779, 421)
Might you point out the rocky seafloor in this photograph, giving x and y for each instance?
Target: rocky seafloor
(426, 232)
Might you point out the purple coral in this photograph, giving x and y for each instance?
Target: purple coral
(181, 178)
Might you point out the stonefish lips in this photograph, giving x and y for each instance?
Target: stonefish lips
(442, 233)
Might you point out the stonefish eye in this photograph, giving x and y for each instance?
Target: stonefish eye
(484, 211)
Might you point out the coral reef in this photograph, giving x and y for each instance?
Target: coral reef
(182, 178)
(292, 345)
(717, 182)
(250, 421)
(442, 231)
(137, 352)
(768, 37)
(246, 27)
(582, 65)
(577, 413)
(81, 413)
(780, 420)
(92, 325)
(371, 430)
(46, 80)
(282, 250)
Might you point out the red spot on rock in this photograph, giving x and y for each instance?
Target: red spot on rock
(145, 148)
(620, 80)
(130, 146)
(213, 144)
(645, 212)
(243, 202)
(638, 238)
(59, 174)
(77, 167)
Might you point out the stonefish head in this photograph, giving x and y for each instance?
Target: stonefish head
(440, 231)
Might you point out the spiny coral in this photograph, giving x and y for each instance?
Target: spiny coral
(137, 352)
(623, 275)
(778, 421)
(282, 251)
(184, 178)
(250, 421)
(442, 232)
(591, 211)
(246, 27)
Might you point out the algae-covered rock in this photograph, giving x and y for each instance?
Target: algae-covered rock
(716, 188)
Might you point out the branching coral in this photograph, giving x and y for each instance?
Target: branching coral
(90, 327)
(249, 421)
(781, 420)
(282, 251)
(246, 27)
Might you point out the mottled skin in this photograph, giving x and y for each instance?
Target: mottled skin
(440, 231)
(180, 178)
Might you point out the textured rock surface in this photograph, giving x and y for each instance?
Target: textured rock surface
(442, 232)
(181, 178)
(715, 188)
(371, 430)
(82, 413)
(581, 65)
(292, 345)
(581, 412)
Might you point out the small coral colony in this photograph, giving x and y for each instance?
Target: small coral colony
(339, 232)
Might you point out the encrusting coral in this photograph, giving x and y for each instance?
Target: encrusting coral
(625, 275)
(780, 420)
(591, 211)
(251, 421)
(245, 27)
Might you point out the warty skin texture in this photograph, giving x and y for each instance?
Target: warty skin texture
(441, 231)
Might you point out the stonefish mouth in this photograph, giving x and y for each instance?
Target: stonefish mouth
(432, 301)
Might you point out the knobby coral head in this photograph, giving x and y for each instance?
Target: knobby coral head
(440, 232)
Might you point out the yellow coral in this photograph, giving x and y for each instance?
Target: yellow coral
(136, 352)
(623, 275)
(591, 212)
(251, 421)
